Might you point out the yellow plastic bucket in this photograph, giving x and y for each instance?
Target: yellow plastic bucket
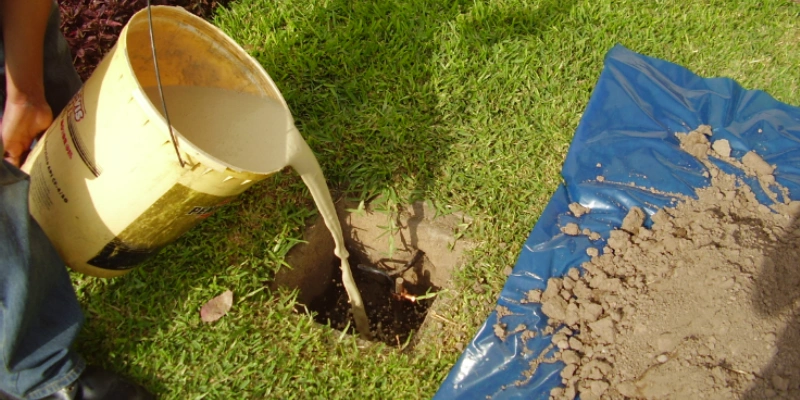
(107, 186)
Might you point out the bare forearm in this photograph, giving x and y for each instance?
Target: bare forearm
(24, 24)
(26, 112)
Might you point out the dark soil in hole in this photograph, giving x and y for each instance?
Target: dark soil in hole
(316, 274)
(393, 317)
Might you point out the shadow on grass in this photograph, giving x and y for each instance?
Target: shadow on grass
(776, 296)
(363, 80)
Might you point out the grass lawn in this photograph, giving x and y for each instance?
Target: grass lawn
(471, 104)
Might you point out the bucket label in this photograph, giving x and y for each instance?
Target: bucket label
(177, 211)
(207, 211)
(81, 148)
(77, 114)
(45, 187)
(59, 146)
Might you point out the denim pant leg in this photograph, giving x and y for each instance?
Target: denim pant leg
(39, 313)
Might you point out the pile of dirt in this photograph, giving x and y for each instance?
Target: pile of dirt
(702, 305)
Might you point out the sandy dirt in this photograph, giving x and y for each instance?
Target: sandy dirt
(703, 305)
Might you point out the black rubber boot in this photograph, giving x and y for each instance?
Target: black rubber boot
(99, 384)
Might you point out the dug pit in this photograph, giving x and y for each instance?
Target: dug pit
(398, 271)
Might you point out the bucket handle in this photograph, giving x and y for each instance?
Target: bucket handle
(160, 87)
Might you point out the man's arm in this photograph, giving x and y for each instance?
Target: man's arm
(26, 110)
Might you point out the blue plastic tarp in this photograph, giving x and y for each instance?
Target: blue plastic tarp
(626, 135)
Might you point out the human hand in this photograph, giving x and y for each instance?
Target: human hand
(22, 121)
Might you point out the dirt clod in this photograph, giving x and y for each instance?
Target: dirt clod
(502, 312)
(633, 221)
(703, 304)
(695, 143)
(500, 330)
(571, 229)
(722, 147)
(534, 296)
(577, 209)
(757, 164)
(704, 129)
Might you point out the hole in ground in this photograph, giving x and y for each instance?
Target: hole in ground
(393, 316)
(389, 295)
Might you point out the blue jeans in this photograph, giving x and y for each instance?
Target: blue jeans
(39, 313)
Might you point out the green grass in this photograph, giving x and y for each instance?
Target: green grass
(470, 104)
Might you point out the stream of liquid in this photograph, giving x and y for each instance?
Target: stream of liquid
(257, 134)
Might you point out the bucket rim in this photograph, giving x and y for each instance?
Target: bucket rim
(212, 34)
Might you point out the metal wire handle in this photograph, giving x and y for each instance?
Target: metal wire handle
(161, 88)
